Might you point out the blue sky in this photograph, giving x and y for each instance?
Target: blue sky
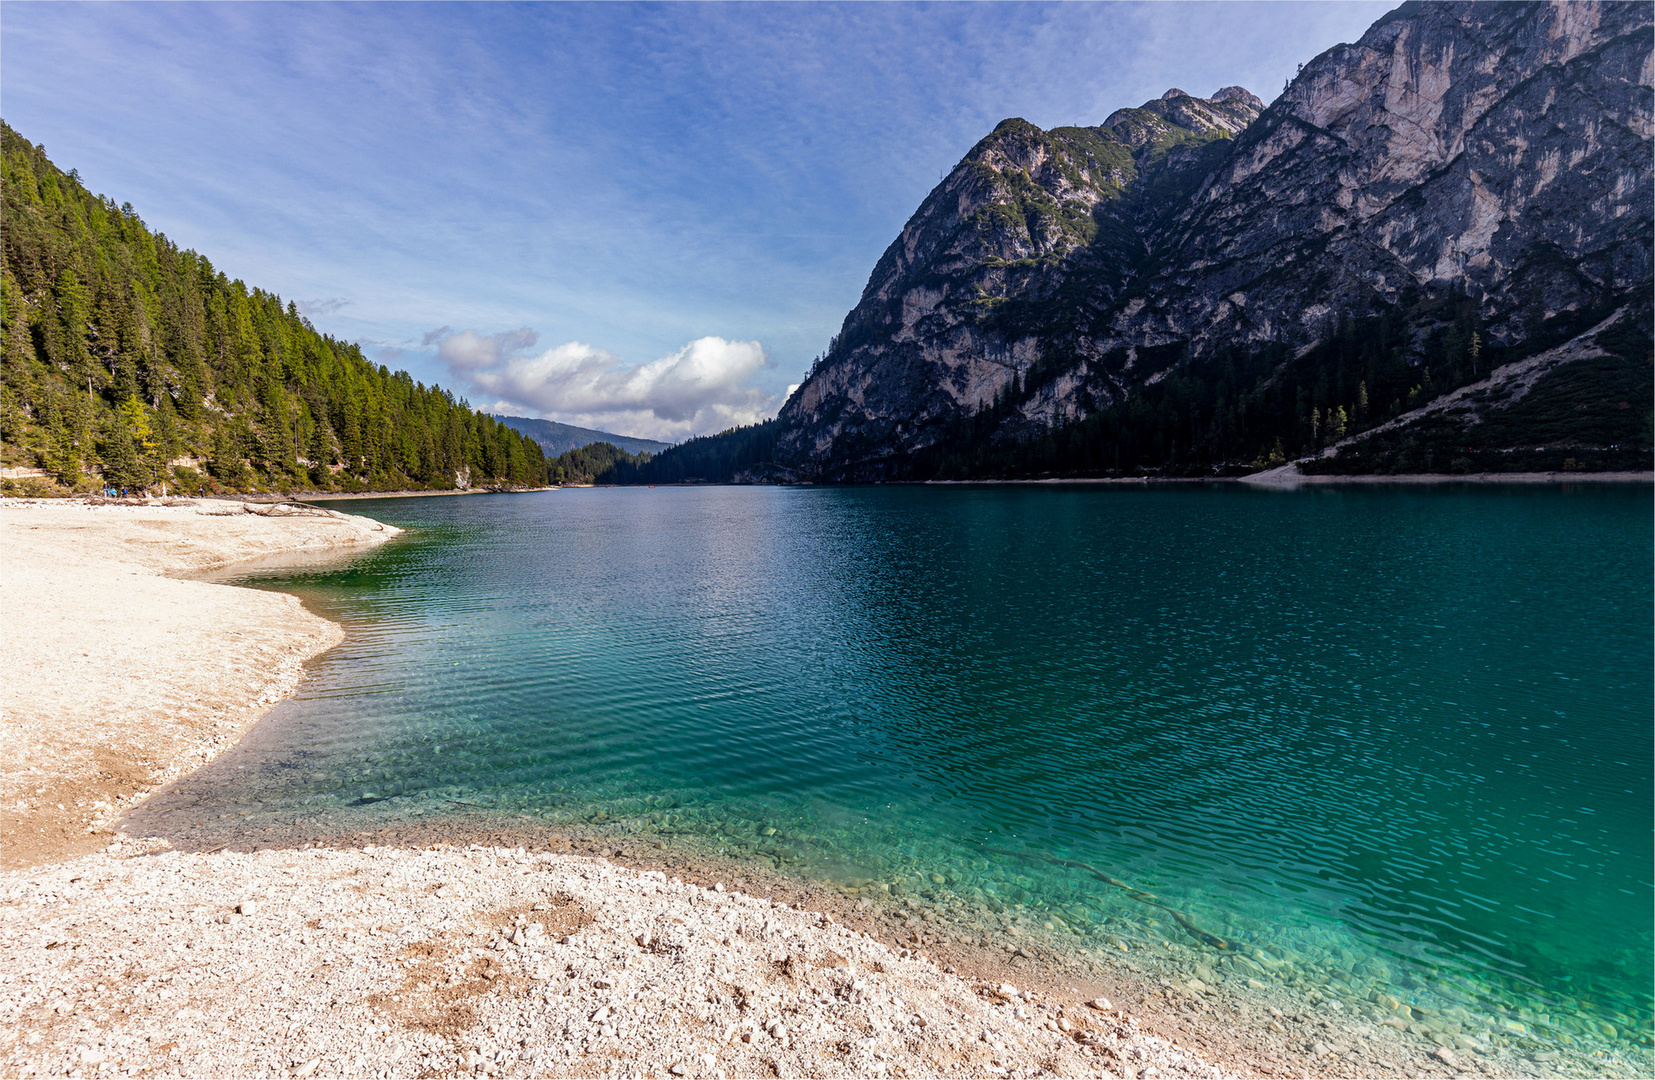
(645, 218)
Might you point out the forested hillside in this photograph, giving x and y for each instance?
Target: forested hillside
(594, 463)
(742, 454)
(126, 359)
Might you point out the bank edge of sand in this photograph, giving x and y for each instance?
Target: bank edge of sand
(144, 964)
(121, 956)
(120, 676)
(493, 961)
(342, 496)
(1215, 1005)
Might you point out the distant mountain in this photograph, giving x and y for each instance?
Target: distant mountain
(1202, 286)
(555, 438)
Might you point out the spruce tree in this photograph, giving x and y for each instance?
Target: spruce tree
(63, 455)
(121, 466)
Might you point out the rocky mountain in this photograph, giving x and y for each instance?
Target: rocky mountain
(1201, 284)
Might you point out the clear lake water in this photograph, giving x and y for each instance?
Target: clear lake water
(1390, 743)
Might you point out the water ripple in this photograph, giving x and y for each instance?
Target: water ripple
(1416, 723)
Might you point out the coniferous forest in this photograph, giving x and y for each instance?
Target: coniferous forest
(130, 362)
(740, 454)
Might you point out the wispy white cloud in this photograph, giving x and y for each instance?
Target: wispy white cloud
(327, 306)
(622, 173)
(472, 355)
(701, 388)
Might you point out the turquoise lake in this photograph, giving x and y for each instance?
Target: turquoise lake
(1401, 733)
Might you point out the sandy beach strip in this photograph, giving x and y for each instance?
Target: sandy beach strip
(346, 496)
(119, 676)
(387, 961)
(119, 956)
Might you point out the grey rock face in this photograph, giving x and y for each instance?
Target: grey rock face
(1056, 220)
(1502, 148)
(1500, 151)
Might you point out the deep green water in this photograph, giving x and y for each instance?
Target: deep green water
(1398, 738)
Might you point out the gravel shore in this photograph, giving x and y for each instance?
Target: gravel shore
(490, 961)
(123, 957)
(467, 943)
(121, 678)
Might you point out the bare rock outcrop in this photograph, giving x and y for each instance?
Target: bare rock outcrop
(1496, 154)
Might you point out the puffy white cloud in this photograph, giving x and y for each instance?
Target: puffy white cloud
(697, 390)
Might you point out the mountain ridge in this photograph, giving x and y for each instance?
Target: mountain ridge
(1463, 185)
(556, 438)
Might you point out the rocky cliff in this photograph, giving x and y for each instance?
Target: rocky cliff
(1465, 184)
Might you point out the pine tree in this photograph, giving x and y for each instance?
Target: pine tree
(121, 465)
(64, 457)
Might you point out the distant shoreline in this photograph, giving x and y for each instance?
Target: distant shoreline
(1272, 478)
(1290, 476)
(330, 496)
(1279, 478)
(1286, 476)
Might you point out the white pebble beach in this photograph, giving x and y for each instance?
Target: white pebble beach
(523, 955)
(121, 957)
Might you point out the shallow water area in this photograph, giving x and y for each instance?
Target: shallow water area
(1379, 759)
